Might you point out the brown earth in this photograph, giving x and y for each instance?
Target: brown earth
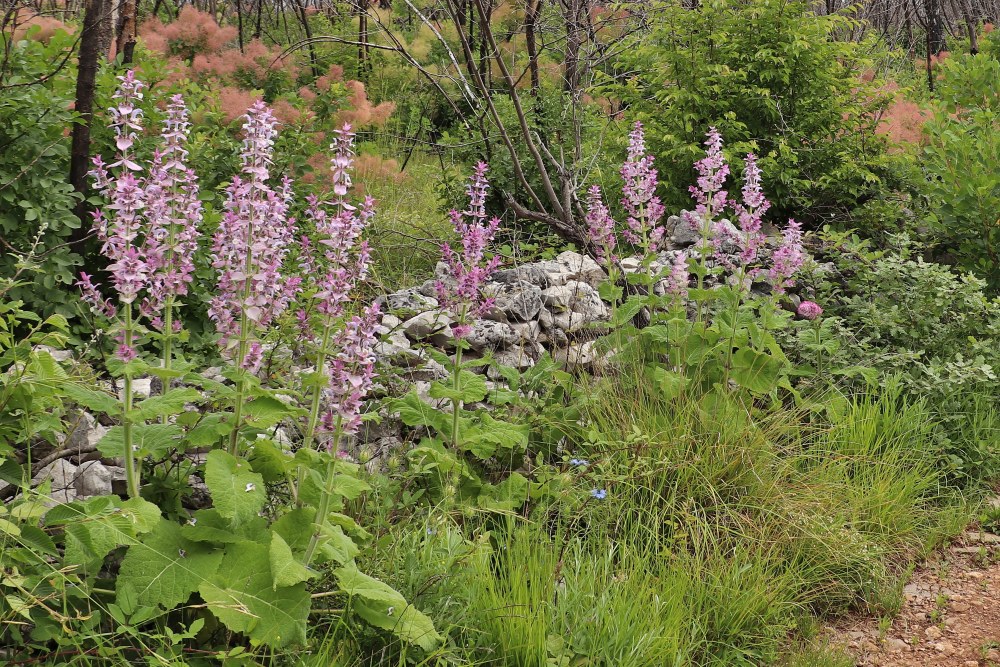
(950, 615)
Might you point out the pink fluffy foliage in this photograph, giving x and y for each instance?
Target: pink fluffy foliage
(193, 32)
(29, 25)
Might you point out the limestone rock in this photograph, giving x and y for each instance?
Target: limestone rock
(93, 479)
(63, 475)
(423, 325)
(407, 303)
(517, 301)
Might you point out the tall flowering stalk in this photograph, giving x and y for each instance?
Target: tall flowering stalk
(787, 259)
(344, 357)
(119, 228)
(460, 292)
(644, 208)
(601, 228)
(341, 260)
(710, 199)
(352, 373)
(248, 251)
(173, 212)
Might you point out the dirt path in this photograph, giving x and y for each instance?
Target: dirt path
(950, 615)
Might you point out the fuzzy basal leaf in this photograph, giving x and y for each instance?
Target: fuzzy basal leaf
(246, 599)
(165, 568)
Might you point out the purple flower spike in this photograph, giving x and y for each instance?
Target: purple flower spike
(460, 293)
(120, 224)
(352, 371)
(344, 260)
(677, 280)
(174, 213)
(253, 238)
(751, 211)
(600, 225)
(644, 208)
(787, 259)
(708, 194)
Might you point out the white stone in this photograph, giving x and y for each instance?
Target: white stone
(93, 479)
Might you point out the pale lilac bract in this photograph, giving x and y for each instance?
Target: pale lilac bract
(460, 291)
(600, 225)
(787, 259)
(252, 239)
(644, 208)
(173, 213)
(352, 371)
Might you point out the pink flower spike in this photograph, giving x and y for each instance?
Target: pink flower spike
(709, 195)
(600, 225)
(644, 208)
(787, 259)
(460, 292)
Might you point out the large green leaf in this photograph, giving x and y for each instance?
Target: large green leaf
(382, 606)
(265, 412)
(237, 491)
(485, 437)
(98, 401)
(165, 568)
(472, 388)
(756, 371)
(286, 570)
(154, 440)
(246, 599)
(170, 403)
(94, 527)
(414, 412)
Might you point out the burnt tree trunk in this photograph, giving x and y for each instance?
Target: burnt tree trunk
(530, 23)
(94, 43)
(125, 44)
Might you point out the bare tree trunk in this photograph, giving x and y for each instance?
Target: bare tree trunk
(92, 48)
(362, 40)
(970, 25)
(125, 44)
(573, 20)
(530, 22)
(935, 27)
(239, 24)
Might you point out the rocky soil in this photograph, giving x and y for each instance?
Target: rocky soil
(950, 615)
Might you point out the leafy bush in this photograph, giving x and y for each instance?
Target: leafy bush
(36, 198)
(777, 81)
(958, 161)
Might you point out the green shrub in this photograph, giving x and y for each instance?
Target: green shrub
(959, 162)
(776, 80)
(36, 198)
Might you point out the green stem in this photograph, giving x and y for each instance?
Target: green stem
(132, 470)
(323, 509)
(732, 327)
(316, 400)
(456, 404)
(819, 352)
(241, 354)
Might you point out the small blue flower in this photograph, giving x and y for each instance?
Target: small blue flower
(600, 494)
(579, 462)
